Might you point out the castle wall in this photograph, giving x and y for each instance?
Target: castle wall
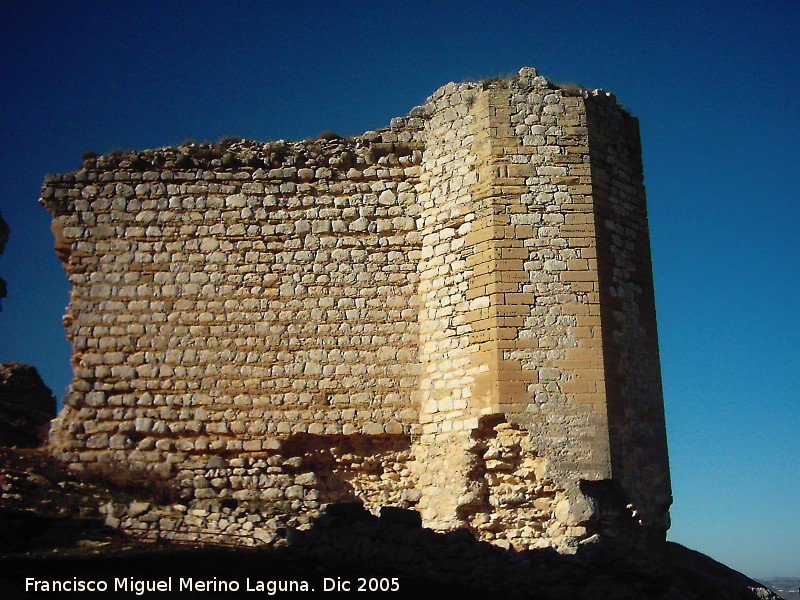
(452, 314)
(541, 278)
(222, 319)
(449, 410)
(249, 304)
(639, 459)
(510, 327)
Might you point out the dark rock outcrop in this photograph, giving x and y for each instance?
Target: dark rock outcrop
(26, 406)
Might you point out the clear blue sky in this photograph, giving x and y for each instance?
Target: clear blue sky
(715, 85)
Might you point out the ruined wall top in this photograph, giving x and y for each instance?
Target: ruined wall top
(328, 156)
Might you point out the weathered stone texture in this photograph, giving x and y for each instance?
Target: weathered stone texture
(452, 314)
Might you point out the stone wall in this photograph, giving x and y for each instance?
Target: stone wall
(452, 314)
(632, 371)
(449, 409)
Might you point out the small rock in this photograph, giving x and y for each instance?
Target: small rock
(136, 509)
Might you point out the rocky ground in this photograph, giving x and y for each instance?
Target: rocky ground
(44, 507)
(52, 529)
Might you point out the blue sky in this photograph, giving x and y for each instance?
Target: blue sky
(715, 85)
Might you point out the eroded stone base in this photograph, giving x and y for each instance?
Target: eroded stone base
(502, 491)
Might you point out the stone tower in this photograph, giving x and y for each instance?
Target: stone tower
(453, 314)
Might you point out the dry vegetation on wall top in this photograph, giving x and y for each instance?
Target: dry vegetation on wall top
(568, 88)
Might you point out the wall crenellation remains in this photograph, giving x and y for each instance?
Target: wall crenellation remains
(452, 314)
